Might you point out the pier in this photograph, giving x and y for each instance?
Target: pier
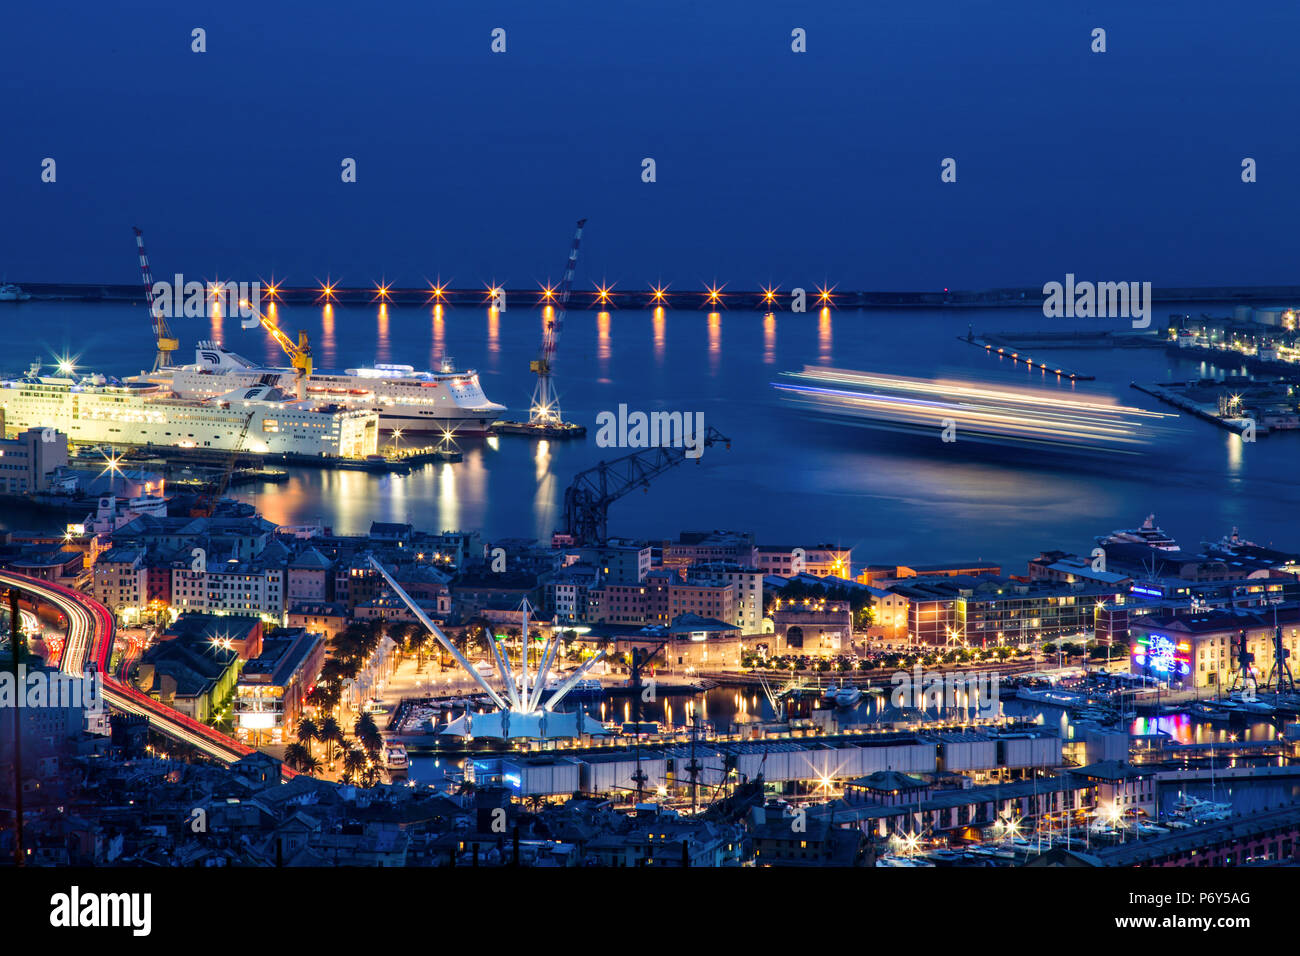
(1004, 352)
(251, 465)
(1166, 394)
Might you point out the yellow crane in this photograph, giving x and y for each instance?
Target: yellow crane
(299, 352)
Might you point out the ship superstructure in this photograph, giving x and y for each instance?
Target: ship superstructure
(258, 417)
(413, 401)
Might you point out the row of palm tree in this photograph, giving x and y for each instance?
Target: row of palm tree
(350, 649)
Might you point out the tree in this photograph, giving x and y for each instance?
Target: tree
(354, 762)
(307, 732)
(368, 734)
(309, 764)
(330, 734)
(419, 639)
(295, 755)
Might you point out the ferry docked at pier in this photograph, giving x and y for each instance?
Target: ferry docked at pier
(263, 419)
(414, 402)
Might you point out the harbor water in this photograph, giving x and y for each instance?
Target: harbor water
(784, 477)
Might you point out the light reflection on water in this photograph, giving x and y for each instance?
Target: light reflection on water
(891, 499)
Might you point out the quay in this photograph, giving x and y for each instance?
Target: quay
(252, 462)
(1166, 394)
(1226, 356)
(796, 764)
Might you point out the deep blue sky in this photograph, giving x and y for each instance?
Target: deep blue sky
(772, 165)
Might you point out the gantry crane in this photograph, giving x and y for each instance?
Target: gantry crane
(587, 499)
(299, 352)
(166, 342)
(545, 408)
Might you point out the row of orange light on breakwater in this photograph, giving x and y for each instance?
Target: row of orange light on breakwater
(601, 296)
(441, 319)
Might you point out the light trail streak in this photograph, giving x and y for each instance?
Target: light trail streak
(89, 640)
(978, 411)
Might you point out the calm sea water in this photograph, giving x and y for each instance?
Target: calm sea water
(784, 477)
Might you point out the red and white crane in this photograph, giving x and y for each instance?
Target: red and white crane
(167, 343)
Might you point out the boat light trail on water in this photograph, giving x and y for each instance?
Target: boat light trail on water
(1001, 414)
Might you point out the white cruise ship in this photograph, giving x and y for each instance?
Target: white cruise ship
(446, 400)
(261, 418)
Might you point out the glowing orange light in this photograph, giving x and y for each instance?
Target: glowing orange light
(825, 296)
(715, 293)
(327, 289)
(436, 292)
(272, 289)
(769, 295)
(602, 294)
(381, 291)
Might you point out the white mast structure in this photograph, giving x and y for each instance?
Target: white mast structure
(523, 699)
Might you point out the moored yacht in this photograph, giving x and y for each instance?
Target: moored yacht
(1148, 534)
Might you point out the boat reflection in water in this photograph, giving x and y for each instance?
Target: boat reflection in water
(971, 411)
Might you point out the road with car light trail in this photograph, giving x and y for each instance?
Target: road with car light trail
(89, 641)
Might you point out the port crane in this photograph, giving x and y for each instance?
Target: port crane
(588, 497)
(299, 352)
(545, 407)
(207, 501)
(166, 342)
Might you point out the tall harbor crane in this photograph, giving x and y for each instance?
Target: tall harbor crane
(587, 499)
(166, 342)
(545, 408)
(299, 352)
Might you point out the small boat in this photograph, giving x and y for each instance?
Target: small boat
(12, 293)
(847, 697)
(1216, 711)
(1252, 705)
(395, 758)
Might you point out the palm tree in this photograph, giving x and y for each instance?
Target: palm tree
(330, 734)
(295, 755)
(309, 764)
(307, 732)
(418, 639)
(354, 762)
(368, 734)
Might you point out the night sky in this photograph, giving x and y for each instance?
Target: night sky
(772, 166)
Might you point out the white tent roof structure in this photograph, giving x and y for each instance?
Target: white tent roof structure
(521, 712)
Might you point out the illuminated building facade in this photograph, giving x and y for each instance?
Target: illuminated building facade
(1202, 649)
